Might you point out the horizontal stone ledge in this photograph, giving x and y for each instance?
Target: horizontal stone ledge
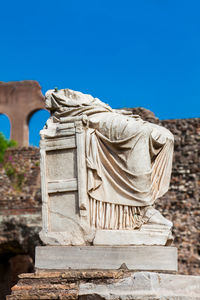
(62, 185)
(66, 142)
(148, 235)
(144, 285)
(148, 258)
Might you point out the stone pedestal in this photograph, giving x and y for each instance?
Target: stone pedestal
(104, 285)
(147, 235)
(149, 258)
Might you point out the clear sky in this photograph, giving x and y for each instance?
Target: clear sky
(127, 53)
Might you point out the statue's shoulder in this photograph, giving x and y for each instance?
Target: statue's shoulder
(56, 99)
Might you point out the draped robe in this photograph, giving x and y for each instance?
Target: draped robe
(128, 160)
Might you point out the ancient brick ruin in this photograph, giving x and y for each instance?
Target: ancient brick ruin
(19, 100)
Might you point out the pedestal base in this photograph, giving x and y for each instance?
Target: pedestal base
(148, 258)
(106, 285)
(148, 235)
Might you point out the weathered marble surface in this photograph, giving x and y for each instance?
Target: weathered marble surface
(107, 258)
(102, 170)
(145, 285)
(148, 235)
(106, 285)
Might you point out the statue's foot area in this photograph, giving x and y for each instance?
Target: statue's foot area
(155, 230)
(153, 216)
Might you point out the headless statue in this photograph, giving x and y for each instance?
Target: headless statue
(128, 161)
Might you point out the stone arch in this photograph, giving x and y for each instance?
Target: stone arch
(41, 116)
(18, 100)
(5, 125)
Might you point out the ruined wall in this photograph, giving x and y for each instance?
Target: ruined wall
(181, 204)
(20, 214)
(19, 100)
(20, 201)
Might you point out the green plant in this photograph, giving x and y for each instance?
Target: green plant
(4, 144)
(15, 175)
(19, 181)
(10, 170)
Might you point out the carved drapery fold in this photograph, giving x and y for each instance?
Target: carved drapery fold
(105, 215)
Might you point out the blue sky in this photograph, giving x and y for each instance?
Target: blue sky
(127, 53)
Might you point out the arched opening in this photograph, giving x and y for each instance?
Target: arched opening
(5, 125)
(36, 122)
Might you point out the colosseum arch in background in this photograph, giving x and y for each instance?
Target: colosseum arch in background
(19, 100)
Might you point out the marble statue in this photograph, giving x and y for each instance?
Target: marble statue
(120, 166)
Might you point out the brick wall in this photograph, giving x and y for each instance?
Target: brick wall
(20, 214)
(20, 181)
(181, 203)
